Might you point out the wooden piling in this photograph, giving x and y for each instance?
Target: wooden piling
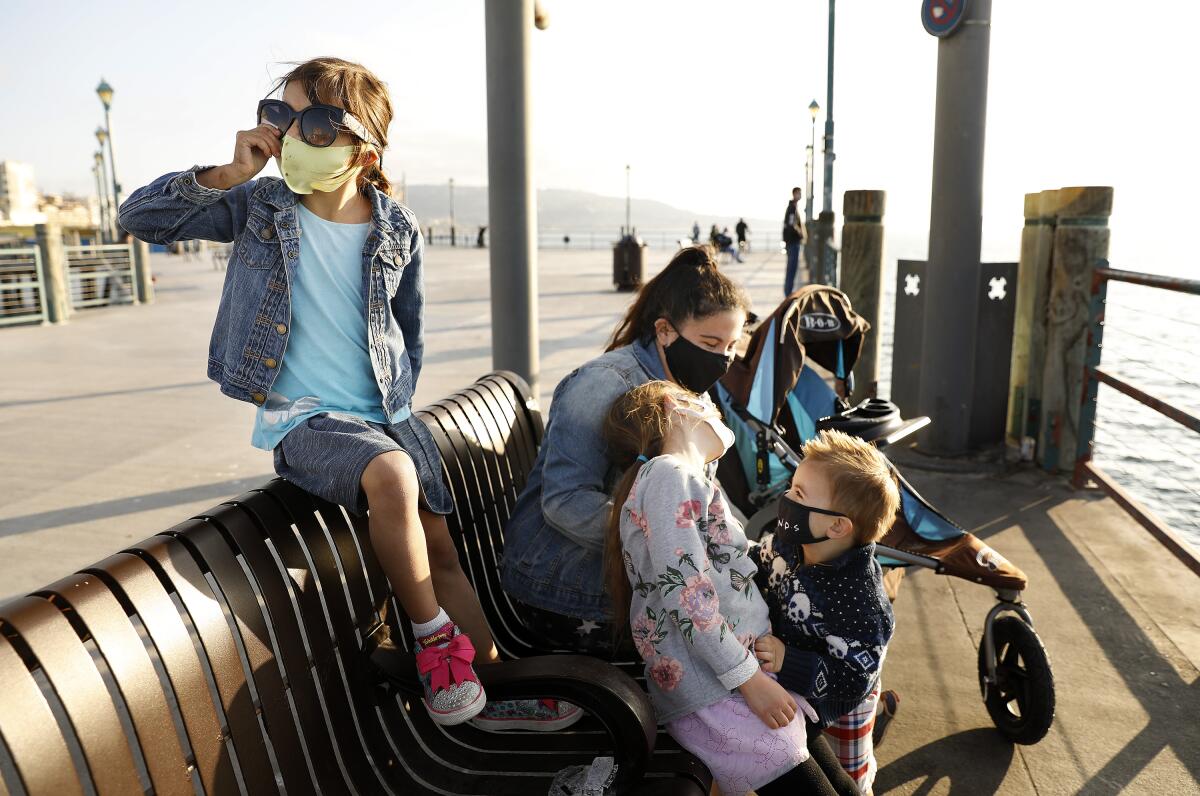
(1081, 238)
(1029, 327)
(862, 278)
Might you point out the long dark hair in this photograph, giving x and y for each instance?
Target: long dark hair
(636, 425)
(691, 286)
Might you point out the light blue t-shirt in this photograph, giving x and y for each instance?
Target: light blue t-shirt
(327, 366)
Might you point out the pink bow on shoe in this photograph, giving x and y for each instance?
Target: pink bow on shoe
(457, 655)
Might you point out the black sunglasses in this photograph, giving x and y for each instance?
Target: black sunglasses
(319, 124)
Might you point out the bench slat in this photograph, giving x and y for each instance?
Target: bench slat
(338, 670)
(255, 638)
(31, 733)
(268, 509)
(126, 656)
(174, 562)
(130, 576)
(271, 583)
(469, 520)
(78, 684)
(515, 416)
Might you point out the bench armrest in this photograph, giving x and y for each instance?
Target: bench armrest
(607, 693)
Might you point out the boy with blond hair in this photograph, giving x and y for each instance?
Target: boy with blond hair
(830, 616)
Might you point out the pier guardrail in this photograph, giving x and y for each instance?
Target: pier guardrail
(100, 275)
(587, 239)
(1093, 376)
(22, 297)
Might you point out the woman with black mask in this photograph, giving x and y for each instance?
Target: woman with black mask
(682, 327)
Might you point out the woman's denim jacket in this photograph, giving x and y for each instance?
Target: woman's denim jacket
(554, 543)
(250, 334)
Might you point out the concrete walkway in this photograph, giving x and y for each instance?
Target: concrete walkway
(109, 432)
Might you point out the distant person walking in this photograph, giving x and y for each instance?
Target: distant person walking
(695, 232)
(794, 236)
(742, 228)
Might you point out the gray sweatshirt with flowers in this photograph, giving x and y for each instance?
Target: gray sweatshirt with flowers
(695, 611)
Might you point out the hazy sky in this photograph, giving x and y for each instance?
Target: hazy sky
(706, 100)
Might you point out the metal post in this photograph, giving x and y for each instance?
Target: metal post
(826, 257)
(112, 164)
(628, 213)
(102, 197)
(827, 186)
(952, 275)
(512, 207)
(808, 171)
(453, 232)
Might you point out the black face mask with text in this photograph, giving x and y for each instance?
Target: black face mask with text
(793, 527)
(693, 367)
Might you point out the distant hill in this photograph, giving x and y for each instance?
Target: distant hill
(564, 210)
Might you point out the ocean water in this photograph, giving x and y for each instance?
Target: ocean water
(1152, 340)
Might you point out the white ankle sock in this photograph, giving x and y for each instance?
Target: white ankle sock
(422, 629)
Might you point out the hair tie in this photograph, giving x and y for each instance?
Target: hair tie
(642, 458)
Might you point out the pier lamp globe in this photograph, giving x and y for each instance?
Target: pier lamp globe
(105, 93)
(814, 109)
(101, 136)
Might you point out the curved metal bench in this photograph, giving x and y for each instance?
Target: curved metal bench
(257, 648)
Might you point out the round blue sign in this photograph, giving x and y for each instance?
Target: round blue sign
(941, 17)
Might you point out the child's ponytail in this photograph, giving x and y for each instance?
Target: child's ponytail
(374, 175)
(634, 431)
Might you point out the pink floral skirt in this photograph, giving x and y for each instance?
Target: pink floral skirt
(739, 750)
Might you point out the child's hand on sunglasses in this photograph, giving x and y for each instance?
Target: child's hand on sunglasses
(251, 153)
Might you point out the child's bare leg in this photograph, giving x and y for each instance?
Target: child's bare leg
(392, 488)
(453, 588)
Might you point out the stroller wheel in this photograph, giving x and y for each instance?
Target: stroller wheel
(1021, 701)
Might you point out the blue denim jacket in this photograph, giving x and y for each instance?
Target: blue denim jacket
(250, 334)
(554, 542)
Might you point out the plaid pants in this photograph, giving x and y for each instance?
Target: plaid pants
(850, 737)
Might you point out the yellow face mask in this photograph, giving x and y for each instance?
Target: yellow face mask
(308, 168)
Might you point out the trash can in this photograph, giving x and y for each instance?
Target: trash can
(628, 263)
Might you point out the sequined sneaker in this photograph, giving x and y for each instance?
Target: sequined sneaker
(541, 715)
(453, 693)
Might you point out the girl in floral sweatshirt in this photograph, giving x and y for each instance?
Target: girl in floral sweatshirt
(677, 564)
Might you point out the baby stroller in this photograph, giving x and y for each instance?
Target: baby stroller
(774, 400)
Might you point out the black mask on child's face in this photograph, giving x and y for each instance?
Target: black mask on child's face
(693, 367)
(794, 527)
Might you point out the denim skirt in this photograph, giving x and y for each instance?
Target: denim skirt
(327, 454)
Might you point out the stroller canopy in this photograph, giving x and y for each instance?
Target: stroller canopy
(816, 322)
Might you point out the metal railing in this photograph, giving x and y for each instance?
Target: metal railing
(1093, 377)
(22, 297)
(603, 239)
(100, 275)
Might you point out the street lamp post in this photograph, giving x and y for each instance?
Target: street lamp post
(101, 193)
(105, 197)
(628, 209)
(813, 110)
(105, 93)
(453, 234)
(810, 240)
(825, 253)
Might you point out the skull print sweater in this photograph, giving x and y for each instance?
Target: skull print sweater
(834, 618)
(695, 611)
